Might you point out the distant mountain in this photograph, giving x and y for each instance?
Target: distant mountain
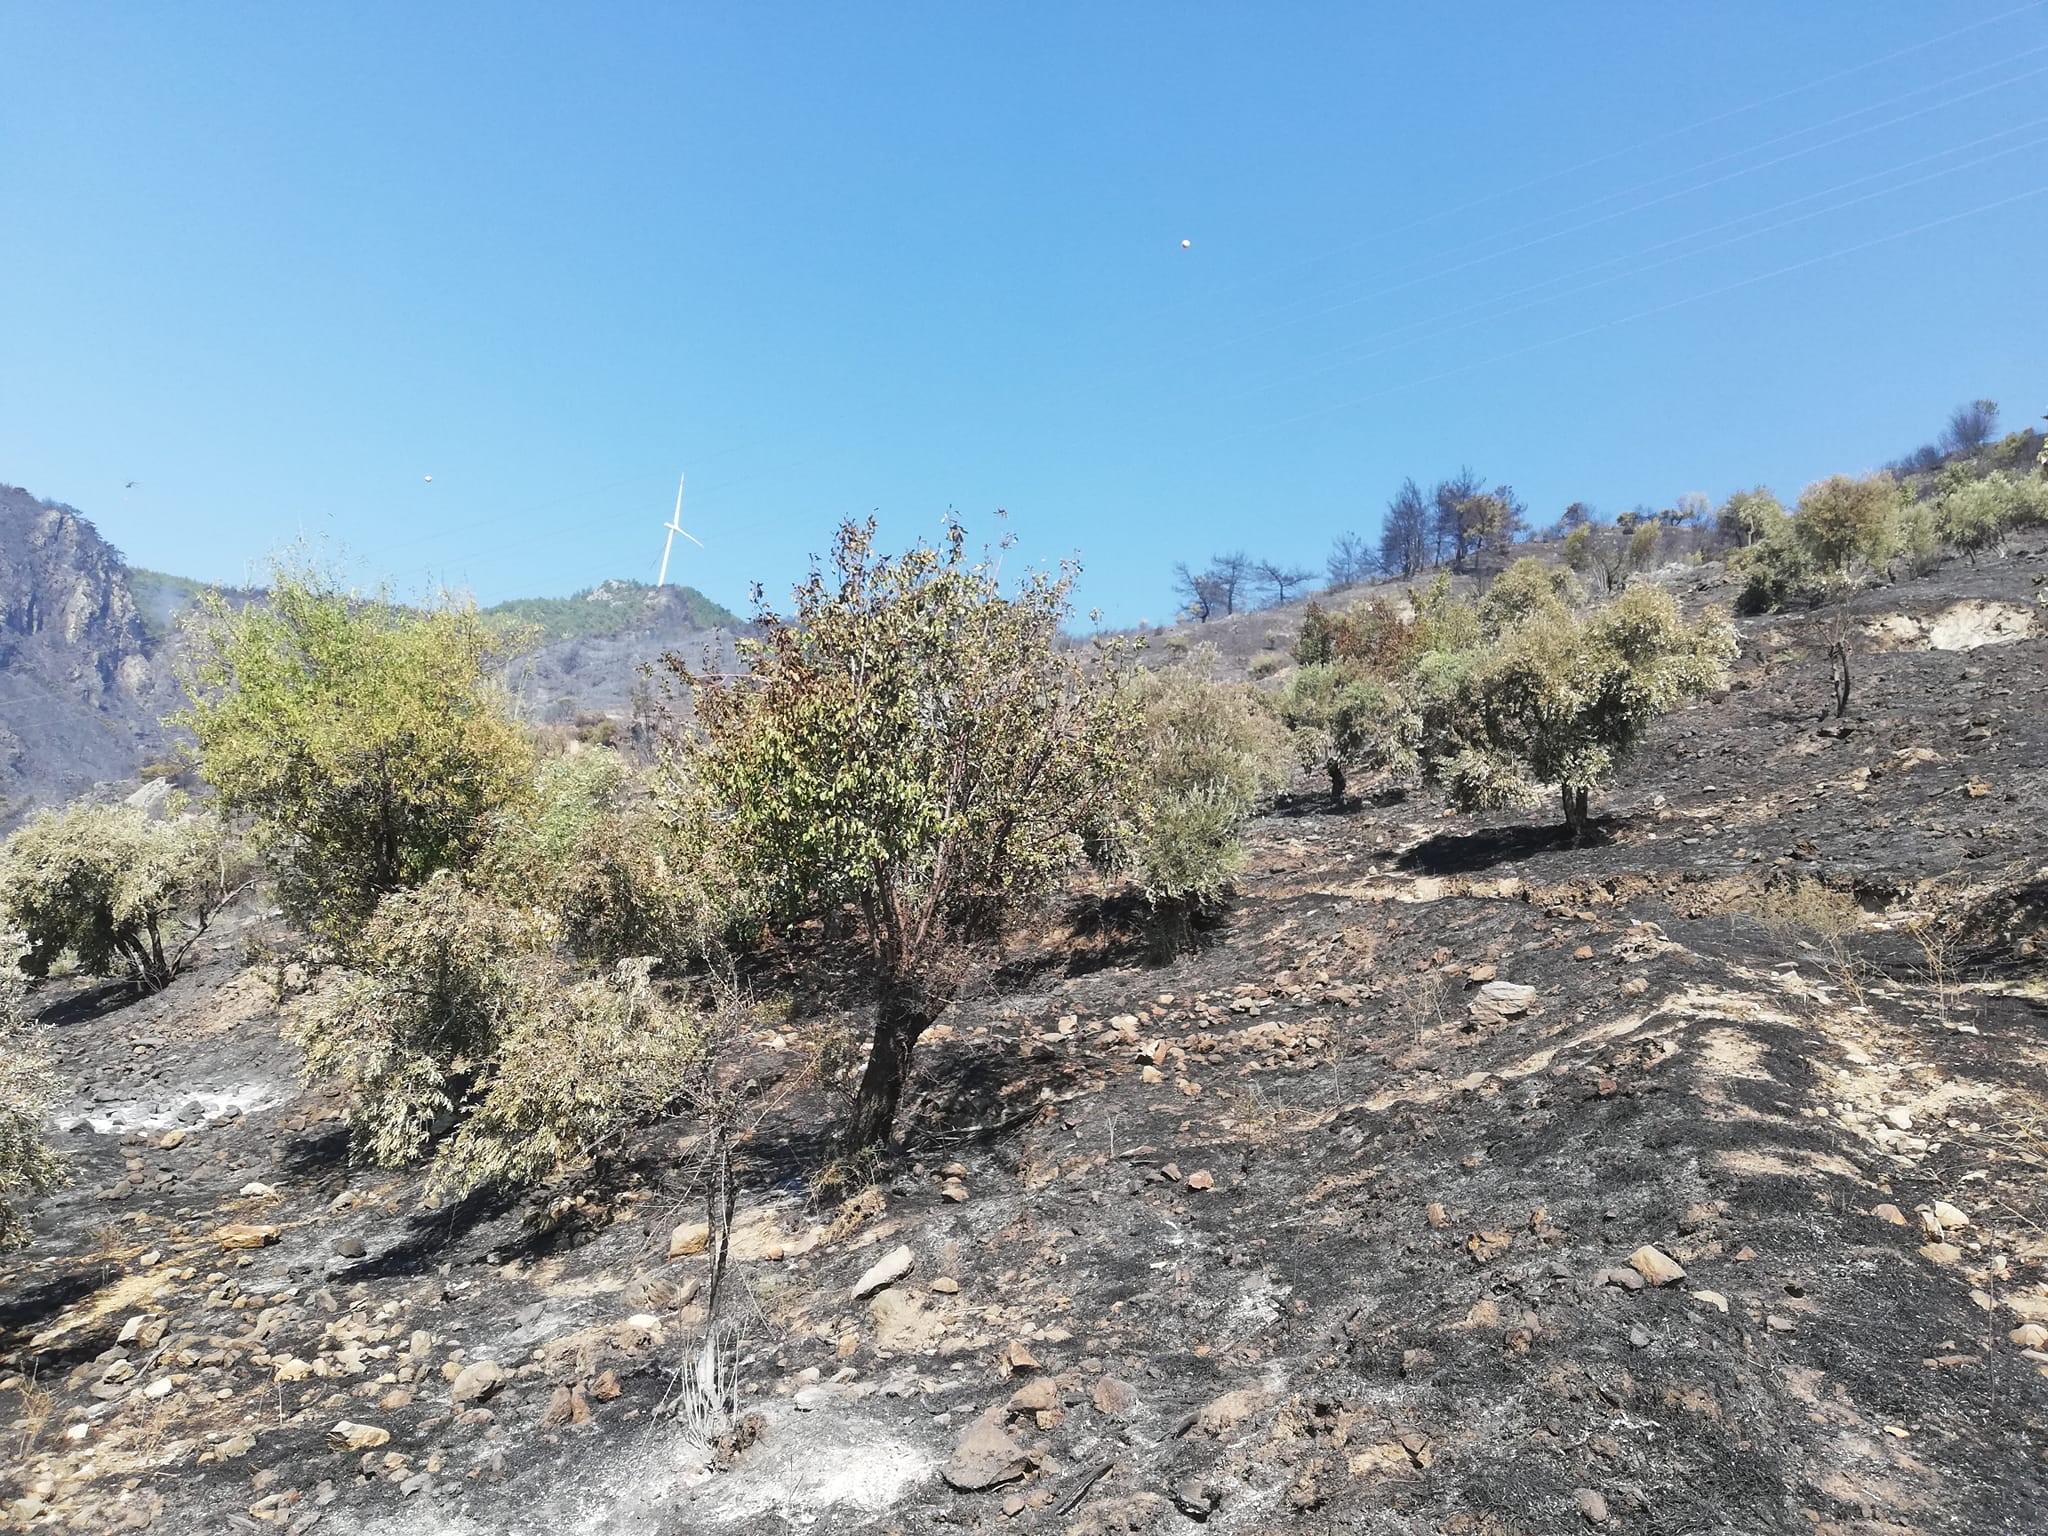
(88, 648)
(81, 689)
(613, 608)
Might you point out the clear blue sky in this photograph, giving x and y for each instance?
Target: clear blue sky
(278, 263)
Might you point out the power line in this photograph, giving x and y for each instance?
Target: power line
(1351, 353)
(1304, 263)
(1643, 314)
(1436, 271)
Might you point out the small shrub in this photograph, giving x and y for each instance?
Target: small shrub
(1266, 664)
(1521, 589)
(125, 895)
(457, 1015)
(626, 872)
(1213, 755)
(1750, 517)
(28, 1169)
(1917, 539)
(1979, 515)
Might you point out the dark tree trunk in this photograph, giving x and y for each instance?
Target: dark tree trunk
(1838, 674)
(899, 1020)
(1574, 796)
(1336, 772)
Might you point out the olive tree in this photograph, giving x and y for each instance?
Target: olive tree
(916, 745)
(122, 894)
(364, 741)
(1842, 521)
(1560, 699)
(28, 1168)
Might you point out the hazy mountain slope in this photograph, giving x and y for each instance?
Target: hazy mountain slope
(80, 692)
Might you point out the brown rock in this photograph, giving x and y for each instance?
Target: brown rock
(566, 1407)
(1941, 1253)
(244, 1234)
(1201, 1178)
(690, 1238)
(1225, 1413)
(1485, 1247)
(1655, 1265)
(887, 1270)
(1438, 1216)
(346, 1437)
(1891, 1213)
(606, 1387)
(1115, 1397)
(986, 1455)
(1035, 1396)
(1591, 1505)
(1016, 1359)
(477, 1383)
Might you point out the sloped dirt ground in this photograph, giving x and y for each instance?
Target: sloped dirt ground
(1324, 1227)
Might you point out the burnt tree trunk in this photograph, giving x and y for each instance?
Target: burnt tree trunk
(1574, 797)
(900, 1018)
(1838, 674)
(1336, 772)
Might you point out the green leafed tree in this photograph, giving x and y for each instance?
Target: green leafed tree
(365, 742)
(122, 894)
(1561, 699)
(915, 745)
(28, 1168)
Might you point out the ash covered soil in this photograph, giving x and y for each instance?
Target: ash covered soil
(1461, 1181)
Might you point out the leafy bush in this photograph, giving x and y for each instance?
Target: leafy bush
(916, 745)
(457, 1015)
(1843, 521)
(1980, 515)
(1214, 755)
(125, 895)
(625, 872)
(27, 1088)
(1343, 719)
(1265, 664)
(1750, 517)
(1521, 589)
(365, 741)
(1560, 699)
(1916, 539)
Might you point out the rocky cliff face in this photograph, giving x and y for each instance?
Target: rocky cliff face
(80, 691)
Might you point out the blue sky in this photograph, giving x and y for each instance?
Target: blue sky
(278, 264)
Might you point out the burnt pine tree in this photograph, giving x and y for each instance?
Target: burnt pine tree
(1404, 536)
(913, 745)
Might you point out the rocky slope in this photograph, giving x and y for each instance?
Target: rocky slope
(80, 691)
(1463, 1182)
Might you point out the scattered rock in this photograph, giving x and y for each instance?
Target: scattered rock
(692, 1237)
(1221, 1415)
(346, 1436)
(477, 1383)
(1201, 1178)
(1591, 1505)
(1891, 1213)
(986, 1455)
(1712, 1299)
(887, 1270)
(1114, 1397)
(243, 1234)
(1655, 1265)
